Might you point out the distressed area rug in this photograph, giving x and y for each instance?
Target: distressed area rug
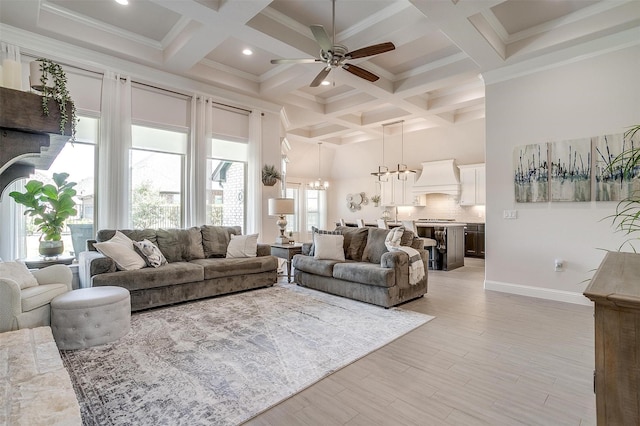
(224, 360)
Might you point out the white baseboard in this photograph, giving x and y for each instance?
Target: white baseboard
(539, 292)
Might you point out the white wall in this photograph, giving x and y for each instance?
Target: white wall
(595, 96)
(353, 164)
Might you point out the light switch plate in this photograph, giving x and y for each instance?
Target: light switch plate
(510, 214)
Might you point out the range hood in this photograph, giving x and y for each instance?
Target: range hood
(438, 177)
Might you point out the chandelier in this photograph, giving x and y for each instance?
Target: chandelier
(319, 184)
(402, 171)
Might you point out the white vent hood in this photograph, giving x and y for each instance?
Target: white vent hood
(438, 177)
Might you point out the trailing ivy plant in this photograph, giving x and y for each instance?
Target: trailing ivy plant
(59, 92)
(626, 219)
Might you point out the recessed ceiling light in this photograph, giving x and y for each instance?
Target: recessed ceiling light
(325, 82)
(247, 52)
(123, 2)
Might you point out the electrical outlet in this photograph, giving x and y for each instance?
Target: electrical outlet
(558, 265)
(510, 214)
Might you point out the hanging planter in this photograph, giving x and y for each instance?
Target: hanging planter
(270, 175)
(50, 79)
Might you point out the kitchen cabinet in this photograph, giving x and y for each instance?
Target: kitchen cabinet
(474, 240)
(396, 192)
(472, 185)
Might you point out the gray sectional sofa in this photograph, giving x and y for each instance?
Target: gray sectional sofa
(196, 268)
(370, 273)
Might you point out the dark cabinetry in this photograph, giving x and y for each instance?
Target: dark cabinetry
(474, 240)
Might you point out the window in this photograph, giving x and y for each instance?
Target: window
(156, 163)
(226, 184)
(78, 159)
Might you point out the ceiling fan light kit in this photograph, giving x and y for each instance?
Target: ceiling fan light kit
(335, 55)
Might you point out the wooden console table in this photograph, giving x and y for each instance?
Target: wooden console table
(615, 290)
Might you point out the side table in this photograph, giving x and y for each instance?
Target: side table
(40, 262)
(286, 252)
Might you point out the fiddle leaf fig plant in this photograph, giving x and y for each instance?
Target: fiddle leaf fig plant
(50, 204)
(58, 91)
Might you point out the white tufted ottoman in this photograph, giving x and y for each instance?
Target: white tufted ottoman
(90, 316)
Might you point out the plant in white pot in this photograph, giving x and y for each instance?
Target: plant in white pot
(50, 79)
(50, 205)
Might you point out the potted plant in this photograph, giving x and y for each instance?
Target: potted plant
(270, 175)
(50, 79)
(51, 205)
(626, 219)
(376, 200)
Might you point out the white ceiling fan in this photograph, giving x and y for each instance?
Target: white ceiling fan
(335, 55)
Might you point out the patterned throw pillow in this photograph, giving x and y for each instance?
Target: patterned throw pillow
(314, 231)
(150, 253)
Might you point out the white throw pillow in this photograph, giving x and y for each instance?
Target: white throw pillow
(328, 247)
(120, 249)
(19, 273)
(243, 246)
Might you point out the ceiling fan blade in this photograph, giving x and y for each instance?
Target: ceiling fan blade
(321, 37)
(296, 61)
(375, 49)
(360, 72)
(320, 77)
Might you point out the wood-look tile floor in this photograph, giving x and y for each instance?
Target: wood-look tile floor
(488, 358)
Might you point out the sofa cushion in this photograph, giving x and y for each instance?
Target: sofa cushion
(169, 274)
(314, 266)
(221, 267)
(215, 239)
(133, 234)
(375, 245)
(34, 297)
(19, 273)
(314, 231)
(365, 273)
(355, 240)
(179, 245)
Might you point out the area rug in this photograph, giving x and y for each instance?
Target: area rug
(224, 360)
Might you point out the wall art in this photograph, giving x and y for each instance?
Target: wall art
(531, 173)
(612, 184)
(571, 170)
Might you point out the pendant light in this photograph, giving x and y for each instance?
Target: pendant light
(319, 185)
(383, 172)
(402, 171)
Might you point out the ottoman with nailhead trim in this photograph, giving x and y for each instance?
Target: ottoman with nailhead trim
(90, 316)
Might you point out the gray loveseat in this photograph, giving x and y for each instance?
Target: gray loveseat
(370, 273)
(196, 268)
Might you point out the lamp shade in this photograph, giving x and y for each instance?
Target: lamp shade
(280, 206)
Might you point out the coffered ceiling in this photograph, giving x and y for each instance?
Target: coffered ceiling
(432, 78)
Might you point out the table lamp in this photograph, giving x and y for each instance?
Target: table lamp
(281, 207)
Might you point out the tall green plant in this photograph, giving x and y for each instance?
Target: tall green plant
(59, 92)
(626, 219)
(50, 205)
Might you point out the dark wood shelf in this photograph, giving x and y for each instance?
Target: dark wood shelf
(29, 139)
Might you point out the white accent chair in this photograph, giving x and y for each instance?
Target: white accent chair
(25, 296)
(429, 244)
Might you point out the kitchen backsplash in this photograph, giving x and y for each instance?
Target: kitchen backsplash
(441, 206)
